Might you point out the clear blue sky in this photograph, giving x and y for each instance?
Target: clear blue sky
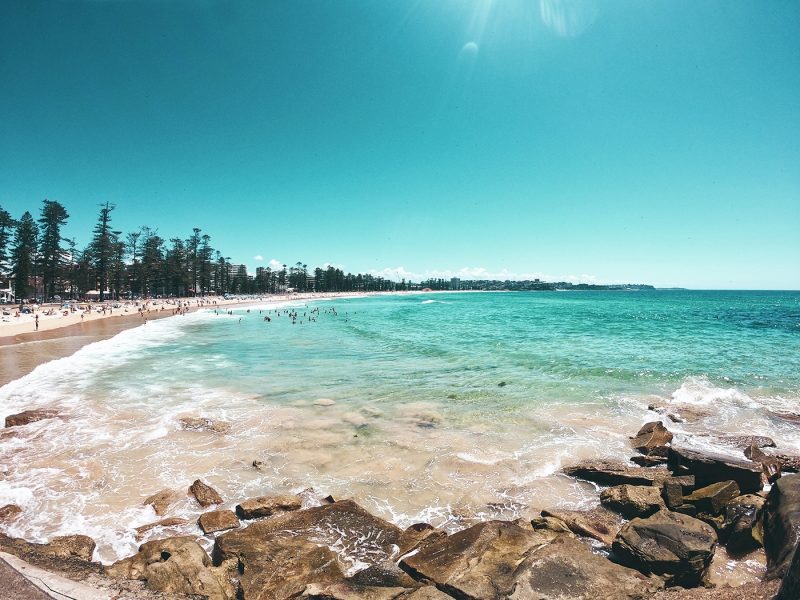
(635, 141)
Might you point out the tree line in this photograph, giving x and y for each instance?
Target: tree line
(43, 264)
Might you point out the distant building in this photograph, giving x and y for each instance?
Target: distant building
(455, 283)
(6, 291)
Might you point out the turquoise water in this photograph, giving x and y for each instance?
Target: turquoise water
(442, 407)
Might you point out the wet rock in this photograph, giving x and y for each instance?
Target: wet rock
(785, 416)
(598, 523)
(653, 439)
(204, 424)
(713, 498)
(177, 565)
(549, 524)
(218, 520)
(168, 522)
(63, 547)
(686, 509)
(711, 468)
(669, 544)
(417, 535)
(9, 512)
(161, 501)
(427, 592)
(205, 494)
(782, 524)
(633, 500)
(672, 493)
(789, 464)
(790, 586)
(30, 416)
(770, 465)
(567, 570)
(742, 528)
(384, 574)
(479, 562)
(344, 525)
(743, 441)
(265, 506)
(607, 472)
(349, 591)
(648, 461)
(681, 413)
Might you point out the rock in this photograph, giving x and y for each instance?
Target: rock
(770, 465)
(418, 534)
(65, 547)
(265, 506)
(742, 529)
(567, 570)
(161, 501)
(648, 461)
(749, 591)
(177, 565)
(355, 533)
(549, 524)
(168, 522)
(384, 574)
(743, 441)
(427, 592)
(789, 464)
(673, 545)
(711, 468)
(217, 520)
(30, 416)
(781, 524)
(633, 500)
(478, 562)
(204, 424)
(324, 402)
(653, 439)
(348, 591)
(606, 472)
(205, 494)
(790, 586)
(785, 416)
(713, 498)
(672, 493)
(8, 512)
(598, 523)
(686, 509)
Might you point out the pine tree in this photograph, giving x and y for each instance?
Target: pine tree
(53, 217)
(24, 255)
(102, 247)
(6, 228)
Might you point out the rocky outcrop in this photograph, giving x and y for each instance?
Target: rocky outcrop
(168, 522)
(598, 523)
(782, 524)
(743, 529)
(218, 520)
(265, 506)
(713, 498)
(162, 500)
(384, 574)
(633, 500)
(9, 512)
(79, 547)
(790, 586)
(743, 441)
(607, 472)
(711, 468)
(653, 439)
(675, 546)
(30, 416)
(674, 488)
(177, 565)
(204, 424)
(479, 562)
(205, 494)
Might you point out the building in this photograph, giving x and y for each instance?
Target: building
(6, 291)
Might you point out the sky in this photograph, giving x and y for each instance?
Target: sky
(621, 141)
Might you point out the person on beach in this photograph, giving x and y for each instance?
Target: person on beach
(36, 319)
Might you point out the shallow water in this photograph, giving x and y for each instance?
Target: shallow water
(447, 408)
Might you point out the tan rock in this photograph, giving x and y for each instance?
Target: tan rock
(9, 512)
(30, 416)
(168, 522)
(265, 506)
(204, 424)
(712, 499)
(633, 500)
(218, 520)
(162, 500)
(205, 494)
(598, 523)
(653, 439)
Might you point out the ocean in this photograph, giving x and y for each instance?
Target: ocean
(448, 408)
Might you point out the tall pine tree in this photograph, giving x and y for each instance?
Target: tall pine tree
(53, 217)
(23, 255)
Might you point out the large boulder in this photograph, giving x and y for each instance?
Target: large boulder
(790, 586)
(743, 529)
(708, 468)
(30, 416)
(633, 500)
(177, 565)
(712, 499)
(205, 494)
(265, 506)
(598, 523)
(782, 524)
(567, 569)
(609, 472)
(653, 439)
(479, 562)
(218, 520)
(675, 546)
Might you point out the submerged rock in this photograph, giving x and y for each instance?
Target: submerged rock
(30, 416)
(9, 512)
(177, 565)
(168, 522)
(217, 520)
(708, 468)
(205, 494)
(653, 439)
(598, 523)
(669, 544)
(204, 424)
(633, 500)
(162, 500)
(782, 524)
(608, 472)
(265, 506)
